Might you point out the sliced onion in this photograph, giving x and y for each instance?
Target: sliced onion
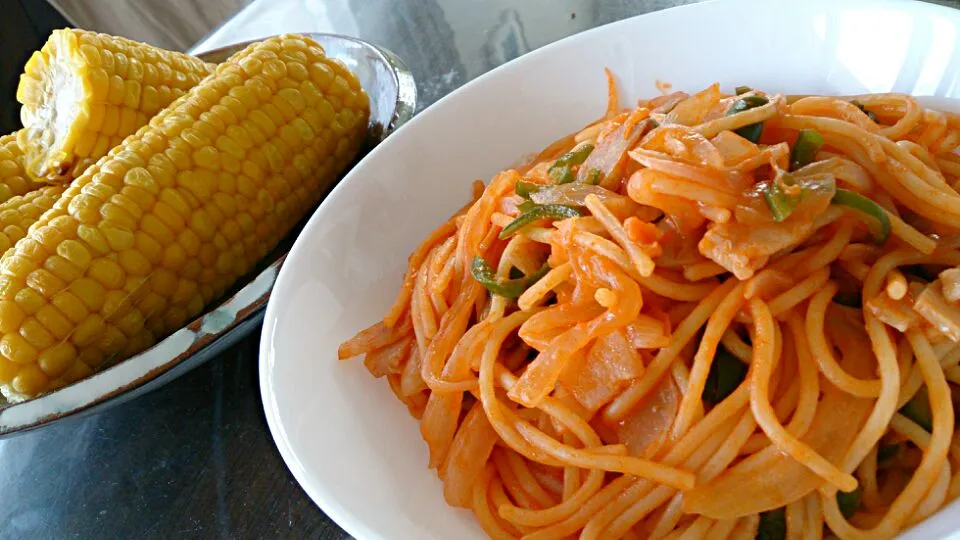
(574, 194)
(647, 429)
(611, 150)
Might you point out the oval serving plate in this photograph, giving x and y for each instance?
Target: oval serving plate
(347, 440)
(393, 96)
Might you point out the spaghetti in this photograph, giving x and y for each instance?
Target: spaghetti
(709, 316)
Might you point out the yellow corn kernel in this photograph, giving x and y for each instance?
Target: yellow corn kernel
(19, 213)
(69, 305)
(77, 370)
(131, 324)
(35, 334)
(90, 292)
(112, 342)
(114, 303)
(62, 268)
(54, 322)
(29, 300)
(57, 359)
(30, 380)
(8, 370)
(106, 272)
(14, 264)
(83, 92)
(44, 282)
(88, 331)
(16, 349)
(13, 176)
(168, 220)
(118, 238)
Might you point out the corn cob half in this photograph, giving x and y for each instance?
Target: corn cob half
(83, 92)
(13, 178)
(172, 217)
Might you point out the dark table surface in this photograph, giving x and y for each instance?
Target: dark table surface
(195, 459)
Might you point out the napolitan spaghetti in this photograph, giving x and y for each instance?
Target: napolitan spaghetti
(709, 316)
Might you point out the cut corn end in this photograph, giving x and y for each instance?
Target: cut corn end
(83, 92)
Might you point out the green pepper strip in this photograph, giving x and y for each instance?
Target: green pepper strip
(865, 206)
(726, 374)
(849, 502)
(742, 90)
(547, 211)
(594, 177)
(525, 189)
(562, 169)
(886, 452)
(849, 299)
(809, 142)
(782, 196)
(526, 206)
(860, 106)
(773, 525)
(753, 131)
(918, 410)
(507, 288)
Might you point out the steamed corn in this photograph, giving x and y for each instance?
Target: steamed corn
(83, 92)
(172, 217)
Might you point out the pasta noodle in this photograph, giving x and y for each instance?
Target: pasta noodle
(707, 316)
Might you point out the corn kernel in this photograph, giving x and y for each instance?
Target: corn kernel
(44, 282)
(16, 349)
(8, 370)
(35, 334)
(87, 331)
(115, 305)
(30, 380)
(117, 238)
(11, 316)
(75, 252)
(16, 265)
(112, 341)
(91, 356)
(77, 370)
(131, 324)
(156, 229)
(141, 197)
(133, 263)
(106, 272)
(68, 304)
(122, 211)
(148, 247)
(93, 238)
(29, 300)
(57, 359)
(54, 321)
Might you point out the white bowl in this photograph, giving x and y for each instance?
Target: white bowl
(347, 440)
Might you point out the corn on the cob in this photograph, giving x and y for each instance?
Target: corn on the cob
(172, 217)
(13, 178)
(83, 92)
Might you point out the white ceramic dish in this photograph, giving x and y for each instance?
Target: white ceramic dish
(345, 437)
